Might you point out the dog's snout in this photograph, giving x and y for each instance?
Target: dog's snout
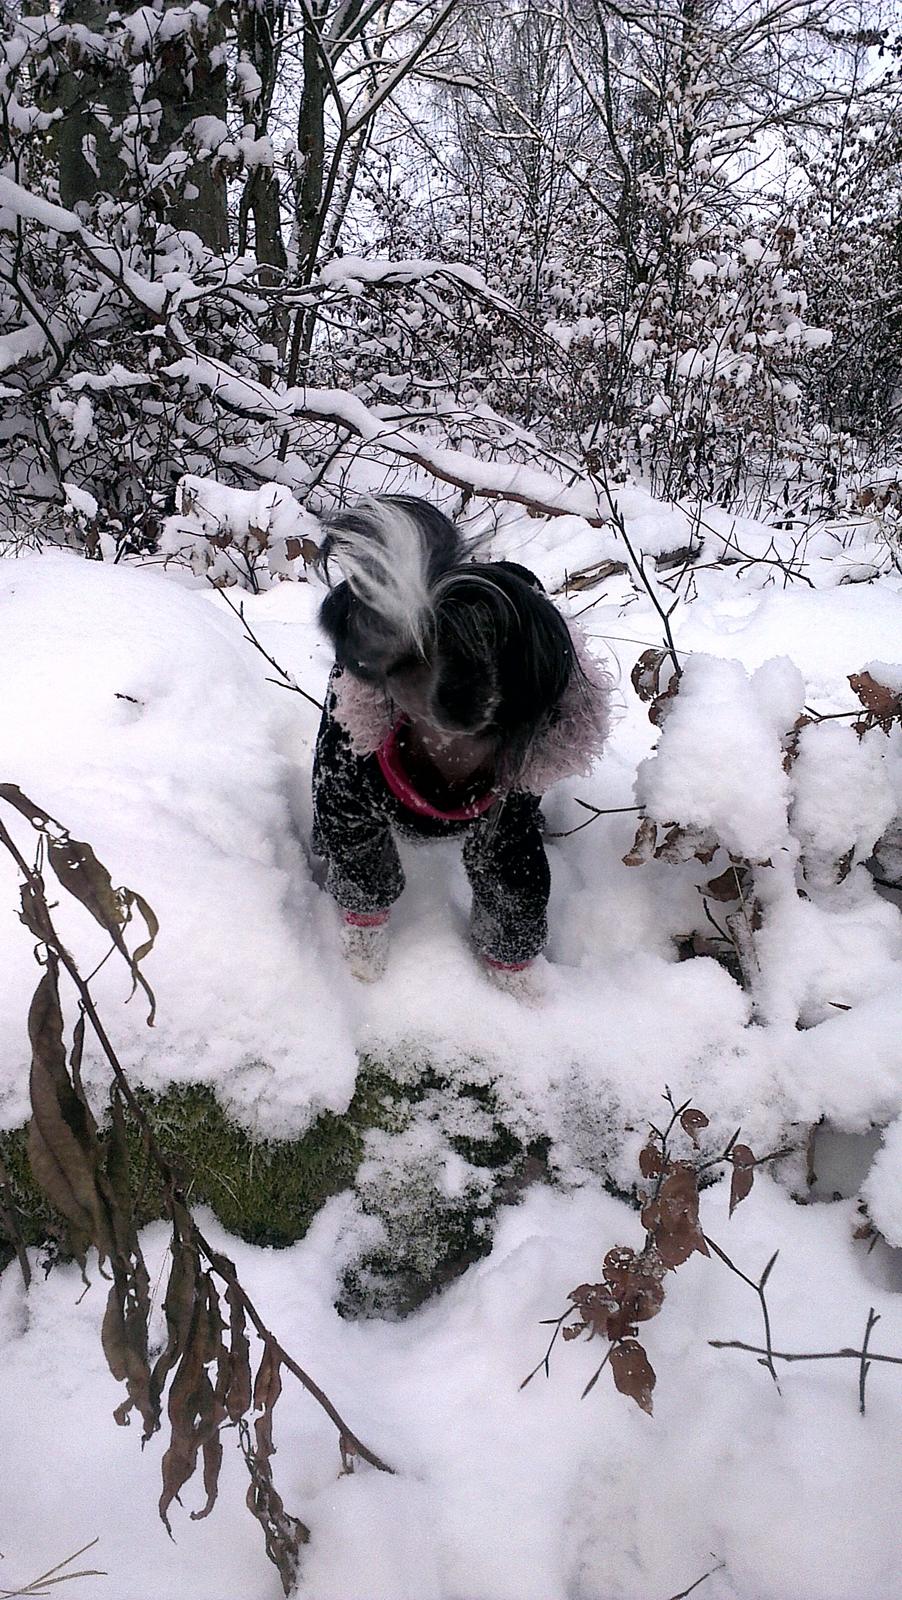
(409, 683)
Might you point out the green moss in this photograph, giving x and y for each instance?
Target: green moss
(268, 1191)
(264, 1190)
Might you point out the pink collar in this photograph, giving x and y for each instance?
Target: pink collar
(391, 766)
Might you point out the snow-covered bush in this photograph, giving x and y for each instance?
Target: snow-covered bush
(780, 809)
(251, 537)
(842, 800)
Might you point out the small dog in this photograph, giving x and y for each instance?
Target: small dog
(459, 695)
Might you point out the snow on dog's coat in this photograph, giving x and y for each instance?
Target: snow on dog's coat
(477, 644)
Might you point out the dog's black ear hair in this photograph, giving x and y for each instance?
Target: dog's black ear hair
(335, 612)
(536, 658)
(529, 578)
(504, 628)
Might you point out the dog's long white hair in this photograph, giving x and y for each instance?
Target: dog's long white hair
(388, 560)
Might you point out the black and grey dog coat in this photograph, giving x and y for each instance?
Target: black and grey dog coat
(362, 800)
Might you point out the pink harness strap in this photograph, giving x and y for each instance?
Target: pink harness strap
(390, 765)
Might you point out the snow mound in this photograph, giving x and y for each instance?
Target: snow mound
(134, 712)
(718, 766)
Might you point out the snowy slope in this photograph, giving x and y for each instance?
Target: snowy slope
(133, 711)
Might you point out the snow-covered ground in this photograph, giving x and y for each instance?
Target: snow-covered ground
(135, 711)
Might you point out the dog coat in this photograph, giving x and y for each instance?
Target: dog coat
(361, 797)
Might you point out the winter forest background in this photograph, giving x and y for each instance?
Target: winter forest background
(619, 286)
(663, 240)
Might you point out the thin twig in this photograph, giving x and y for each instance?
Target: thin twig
(639, 563)
(759, 1161)
(804, 1355)
(873, 1319)
(676, 1113)
(721, 932)
(558, 1322)
(285, 679)
(597, 811)
(705, 1575)
(597, 1373)
(758, 1287)
(39, 1586)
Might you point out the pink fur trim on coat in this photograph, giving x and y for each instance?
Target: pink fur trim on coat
(568, 749)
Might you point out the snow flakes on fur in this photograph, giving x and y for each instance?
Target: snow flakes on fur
(567, 749)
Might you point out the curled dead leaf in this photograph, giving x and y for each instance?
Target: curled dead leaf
(646, 674)
(643, 846)
(692, 1121)
(595, 1304)
(743, 1174)
(63, 1149)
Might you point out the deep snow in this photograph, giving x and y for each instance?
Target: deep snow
(135, 711)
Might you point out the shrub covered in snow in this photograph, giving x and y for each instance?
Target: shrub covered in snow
(251, 537)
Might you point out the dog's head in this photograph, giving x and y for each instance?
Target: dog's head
(464, 646)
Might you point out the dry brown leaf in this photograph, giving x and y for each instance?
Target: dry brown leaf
(651, 1162)
(672, 1216)
(661, 704)
(646, 674)
(595, 1304)
(728, 885)
(692, 1121)
(643, 846)
(587, 577)
(633, 1373)
(743, 1174)
(238, 1393)
(83, 876)
(885, 704)
(86, 879)
(124, 1337)
(283, 1534)
(685, 844)
(179, 1303)
(62, 1138)
(189, 1408)
(637, 1282)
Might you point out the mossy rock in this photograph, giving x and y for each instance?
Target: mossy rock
(265, 1190)
(268, 1191)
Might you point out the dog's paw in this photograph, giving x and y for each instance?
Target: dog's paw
(364, 945)
(522, 980)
